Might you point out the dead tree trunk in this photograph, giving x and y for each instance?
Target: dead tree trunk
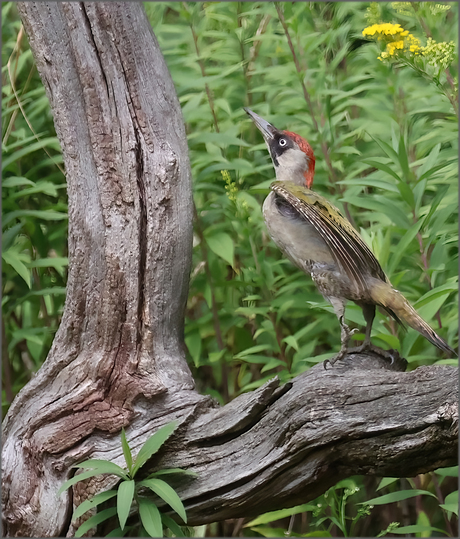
(118, 360)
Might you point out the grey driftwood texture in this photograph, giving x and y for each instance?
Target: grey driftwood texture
(118, 358)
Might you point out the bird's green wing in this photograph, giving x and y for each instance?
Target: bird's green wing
(346, 245)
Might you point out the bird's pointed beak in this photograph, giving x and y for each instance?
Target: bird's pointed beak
(267, 129)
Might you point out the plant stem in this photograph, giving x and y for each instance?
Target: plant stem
(214, 309)
(440, 497)
(203, 74)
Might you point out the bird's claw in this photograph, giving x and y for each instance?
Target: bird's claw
(333, 360)
(391, 355)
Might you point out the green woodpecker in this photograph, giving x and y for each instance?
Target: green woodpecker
(314, 235)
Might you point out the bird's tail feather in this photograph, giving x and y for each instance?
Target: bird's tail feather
(396, 304)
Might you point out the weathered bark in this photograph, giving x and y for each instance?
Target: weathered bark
(130, 239)
(282, 446)
(117, 359)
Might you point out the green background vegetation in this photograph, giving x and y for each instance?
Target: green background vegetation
(385, 139)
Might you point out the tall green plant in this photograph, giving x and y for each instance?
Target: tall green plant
(387, 159)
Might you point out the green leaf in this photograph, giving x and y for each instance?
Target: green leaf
(76, 479)
(382, 205)
(398, 496)
(290, 340)
(9, 236)
(267, 531)
(451, 471)
(387, 149)
(172, 471)
(403, 159)
(95, 520)
(423, 520)
(57, 262)
(383, 167)
(118, 532)
(348, 150)
(282, 513)
(104, 466)
(166, 493)
(407, 194)
(16, 181)
(50, 142)
(125, 500)
(153, 444)
(318, 533)
(429, 162)
(220, 139)
(418, 528)
(126, 450)
(150, 517)
(402, 246)
(386, 481)
(45, 187)
(451, 503)
(93, 502)
(173, 526)
(221, 244)
(13, 258)
(253, 350)
(429, 304)
(46, 215)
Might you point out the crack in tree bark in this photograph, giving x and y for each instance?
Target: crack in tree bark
(142, 235)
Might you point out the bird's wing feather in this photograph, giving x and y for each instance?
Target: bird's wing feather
(347, 247)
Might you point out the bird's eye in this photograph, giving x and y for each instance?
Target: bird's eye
(282, 142)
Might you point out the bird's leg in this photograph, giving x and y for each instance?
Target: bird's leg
(345, 333)
(369, 315)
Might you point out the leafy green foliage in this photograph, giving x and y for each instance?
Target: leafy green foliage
(131, 491)
(386, 143)
(386, 148)
(34, 225)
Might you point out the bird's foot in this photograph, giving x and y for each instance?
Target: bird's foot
(338, 357)
(391, 355)
(344, 349)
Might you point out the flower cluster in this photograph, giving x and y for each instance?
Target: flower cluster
(385, 31)
(230, 187)
(373, 13)
(396, 38)
(410, 44)
(439, 54)
(406, 8)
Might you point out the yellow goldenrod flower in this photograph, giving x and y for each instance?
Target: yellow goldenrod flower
(398, 40)
(385, 31)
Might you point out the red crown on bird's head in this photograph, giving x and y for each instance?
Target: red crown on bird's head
(308, 151)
